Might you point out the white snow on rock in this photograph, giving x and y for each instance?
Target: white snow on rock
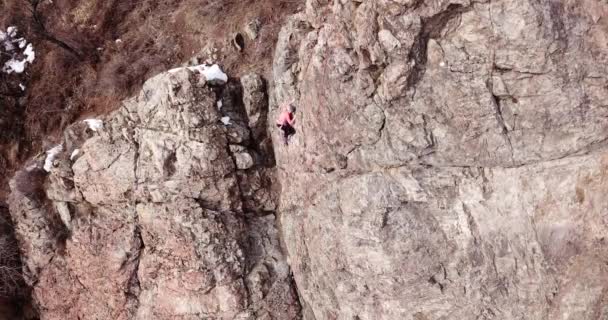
(94, 124)
(29, 53)
(213, 74)
(50, 157)
(21, 52)
(74, 154)
(15, 66)
(11, 31)
(22, 87)
(225, 120)
(219, 105)
(177, 69)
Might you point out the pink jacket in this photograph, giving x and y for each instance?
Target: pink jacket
(286, 117)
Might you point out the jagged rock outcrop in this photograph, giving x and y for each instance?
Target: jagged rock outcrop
(450, 162)
(451, 158)
(150, 220)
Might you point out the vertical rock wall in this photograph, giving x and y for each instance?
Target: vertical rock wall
(450, 161)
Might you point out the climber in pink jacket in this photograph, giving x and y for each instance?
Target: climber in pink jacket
(286, 121)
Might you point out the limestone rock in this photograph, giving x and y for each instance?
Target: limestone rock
(449, 161)
(149, 222)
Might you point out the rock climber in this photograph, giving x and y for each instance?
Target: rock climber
(286, 121)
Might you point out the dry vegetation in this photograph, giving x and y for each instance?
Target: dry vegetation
(13, 291)
(11, 282)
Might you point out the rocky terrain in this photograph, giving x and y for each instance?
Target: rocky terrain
(450, 162)
(458, 155)
(165, 213)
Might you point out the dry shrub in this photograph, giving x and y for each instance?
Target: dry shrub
(11, 280)
(31, 184)
(101, 104)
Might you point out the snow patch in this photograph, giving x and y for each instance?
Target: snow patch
(29, 53)
(21, 52)
(50, 157)
(219, 105)
(213, 74)
(11, 31)
(22, 87)
(15, 66)
(74, 154)
(94, 124)
(174, 70)
(225, 120)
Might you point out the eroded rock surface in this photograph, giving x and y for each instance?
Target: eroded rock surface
(450, 161)
(150, 222)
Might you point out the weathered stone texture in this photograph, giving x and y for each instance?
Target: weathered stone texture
(450, 161)
(149, 222)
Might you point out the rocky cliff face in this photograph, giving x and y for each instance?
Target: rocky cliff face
(165, 213)
(450, 161)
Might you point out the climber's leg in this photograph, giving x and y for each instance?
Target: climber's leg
(287, 131)
(290, 132)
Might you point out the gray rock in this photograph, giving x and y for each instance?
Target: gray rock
(156, 219)
(450, 162)
(256, 105)
(448, 159)
(252, 29)
(242, 158)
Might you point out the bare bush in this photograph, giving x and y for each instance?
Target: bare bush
(11, 281)
(30, 183)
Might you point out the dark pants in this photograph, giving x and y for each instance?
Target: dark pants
(288, 131)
